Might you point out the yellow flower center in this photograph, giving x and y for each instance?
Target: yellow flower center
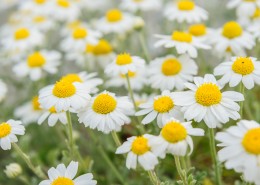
(137, 1)
(40, 1)
(104, 104)
(39, 19)
(74, 24)
(186, 5)
(256, 13)
(130, 75)
(62, 181)
(123, 59)
(52, 110)
(163, 104)
(102, 48)
(198, 30)
(232, 30)
(250, 0)
(72, 78)
(79, 33)
(89, 48)
(140, 145)
(174, 132)
(63, 3)
(35, 103)
(36, 60)
(182, 36)
(5, 129)
(171, 67)
(251, 141)
(114, 15)
(243, 66)
(21, 34)
(208, 94)
(63, 89)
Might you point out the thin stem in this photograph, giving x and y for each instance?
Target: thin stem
(242, 91)
(180, 170)
(183, 163)
(70, 135)
(116, 138)
(214, 156)
(37, 170)
(144, 46)
(153, 177)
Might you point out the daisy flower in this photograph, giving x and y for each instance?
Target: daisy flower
(3, 90)
(245, 69)
(244, 8)
(175, 138)
(138, 149)
(184, 42)
(42, 23)
(40, 7)
(64, 95)
(163, 107)
(116, 21)
(143, 98)
(30, 111)
(241, 149)
(185, 11)
(53, 117)
(232, 38)
(142, 5)
(38, 62)
(8, 132)
(124, 63)
(63, 175)
(167, 73)
(205, 101)
(200, 31)
(106, 112)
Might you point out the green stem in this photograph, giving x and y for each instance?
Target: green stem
(37, 170)
(214, 156)
(153, 177)
(70, 135)
(144, 46)
(242, 91)
(116, 138)
(180, 170)
(183, 163)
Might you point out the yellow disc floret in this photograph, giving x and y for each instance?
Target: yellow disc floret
(114, 15)
(62, 181)
(21, 34)
(5, 129)
(36, 60)
(198, 30)
(163, 104)
(40, 1)
(182, 36)
(35, 103)
(232, 30)
(72, 78)
(104, 104)
(63, 3)
(79, 33)
(102, 48)
(171, 67)
(39, 19)
(186, 5)
(174, 132)
(256, 13)
(140, 145)
(208, 94)
(63, 89)
(52, 110)
(251, 141)
(123, 59)
(243, 66)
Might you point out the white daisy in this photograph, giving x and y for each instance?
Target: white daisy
(123, 63)
(163, 107)
(53, 117)
(205, 101)
(3, 90)
(37, 63)
(175, 138)
(8, 132)
(138, 149)
(142, 5)
(241, 149)
(167, 73)
(63, 175)
(42, 23)
(245, 69)
(244, 8)
(106, 112)
(200, 31)
(185, 11)
(40, 7)
(143, 98)
(183, 42)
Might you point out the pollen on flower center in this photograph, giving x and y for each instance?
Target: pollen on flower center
(174, 132)
(62, 181)
(182, 36)
(140, 145)
(123, 59)
(251, 141)
(40, 1)
(163, 104)
(36, 60)
(79, 33)
(243, 66)
(63, 89)
(232, 30)
(5, 129)
(21, 34)
(52, 110)
(63, 3)
(208, 94)
(102, 48)
(198, 30)
(72, 78)
(171, 67)
(186, 5)
(35, 103)
(114, 15)
(104, 104)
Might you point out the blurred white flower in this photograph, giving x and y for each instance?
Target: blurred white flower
(142, 5)
(13, 170)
